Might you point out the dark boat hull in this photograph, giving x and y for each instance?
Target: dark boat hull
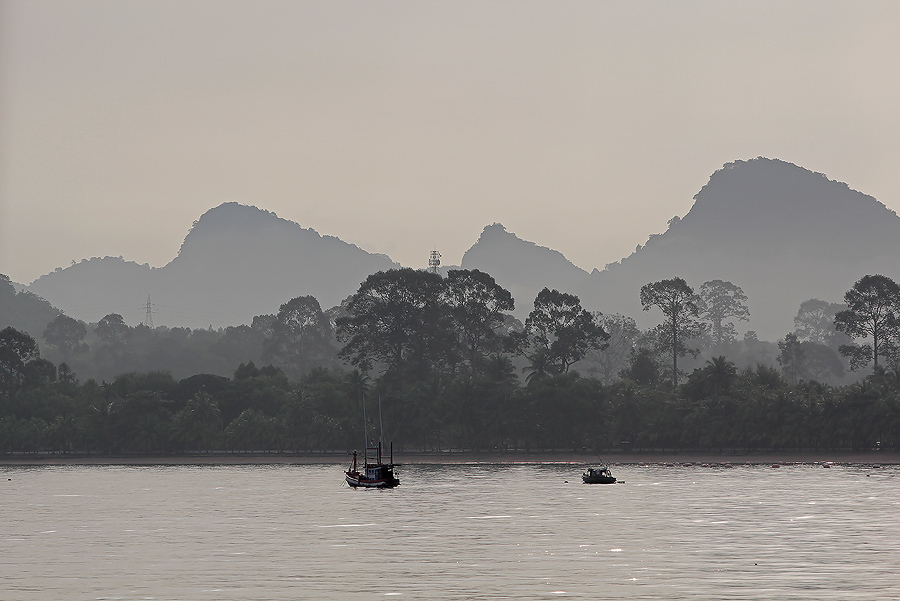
(598, 480)
(359, 481)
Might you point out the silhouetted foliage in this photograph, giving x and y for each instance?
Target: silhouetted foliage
(873, 312)
(444, 377)
(17, 350)
(300, 339)
(814, 322)
(559, 332)
(477, 307)
(681, 307)
(611, 359)
(397, 318)
(791, 358)
(720, 300)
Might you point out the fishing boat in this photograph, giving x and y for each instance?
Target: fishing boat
(598, 475)
(377, 474)
(373, 475)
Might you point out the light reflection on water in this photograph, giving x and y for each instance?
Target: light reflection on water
(475, 531)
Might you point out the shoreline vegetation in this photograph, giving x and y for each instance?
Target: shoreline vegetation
(683, 458)
(442, 362)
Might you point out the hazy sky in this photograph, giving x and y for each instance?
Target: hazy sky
(407, 126)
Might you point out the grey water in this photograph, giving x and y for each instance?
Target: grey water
(462, 531)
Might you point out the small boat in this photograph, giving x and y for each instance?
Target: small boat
(373, 475)
(598, 475)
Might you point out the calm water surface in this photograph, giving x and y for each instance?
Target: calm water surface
(449, 532)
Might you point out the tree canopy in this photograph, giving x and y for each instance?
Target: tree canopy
(66, 333)
(720, 300)
(681, 307)
(873, 307)
(478, 307)
(560, 331)
(301, 336)
(397, 318)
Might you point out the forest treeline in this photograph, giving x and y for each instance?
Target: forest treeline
(450, 369)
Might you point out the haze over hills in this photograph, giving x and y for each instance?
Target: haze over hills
(522, 267)
(783, 233)
(236, 262)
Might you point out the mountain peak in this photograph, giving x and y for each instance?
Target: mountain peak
(495, 229)
(236, 261)
(771, 191)
(782, 232)
(795, 209)
(521, 266)
(232, 220)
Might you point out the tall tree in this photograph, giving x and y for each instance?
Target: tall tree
(822, 363)
(623, 334)
(66, 334)
(561, 330)
(17, 349)
(814, 322)
(301, 337)
(478, 306)
(791, 358)
(721, 300)
(681, 307)
(396, 318)
(113, 330)
(205, 417)
(873, 312)
(116, 343)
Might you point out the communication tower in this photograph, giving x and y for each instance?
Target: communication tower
(434, 261)
(148, 316)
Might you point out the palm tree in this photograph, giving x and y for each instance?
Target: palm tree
(204, 417)
(541, 365)
(181, 431)
(719, 375)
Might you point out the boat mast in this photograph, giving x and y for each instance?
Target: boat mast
(365, 432)
(381, 425)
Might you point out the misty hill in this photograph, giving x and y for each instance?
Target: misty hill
(522, 267)
(23, 310)
(236, 262)
(783, 233)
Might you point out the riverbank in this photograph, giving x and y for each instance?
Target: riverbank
(634, 458)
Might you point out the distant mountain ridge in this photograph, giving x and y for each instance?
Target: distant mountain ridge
(237, 261)
(783, 233)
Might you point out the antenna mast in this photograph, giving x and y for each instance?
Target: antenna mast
(434, 261)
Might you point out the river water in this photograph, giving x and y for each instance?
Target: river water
(464, 531)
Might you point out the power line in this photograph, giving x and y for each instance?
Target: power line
(148, 317)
